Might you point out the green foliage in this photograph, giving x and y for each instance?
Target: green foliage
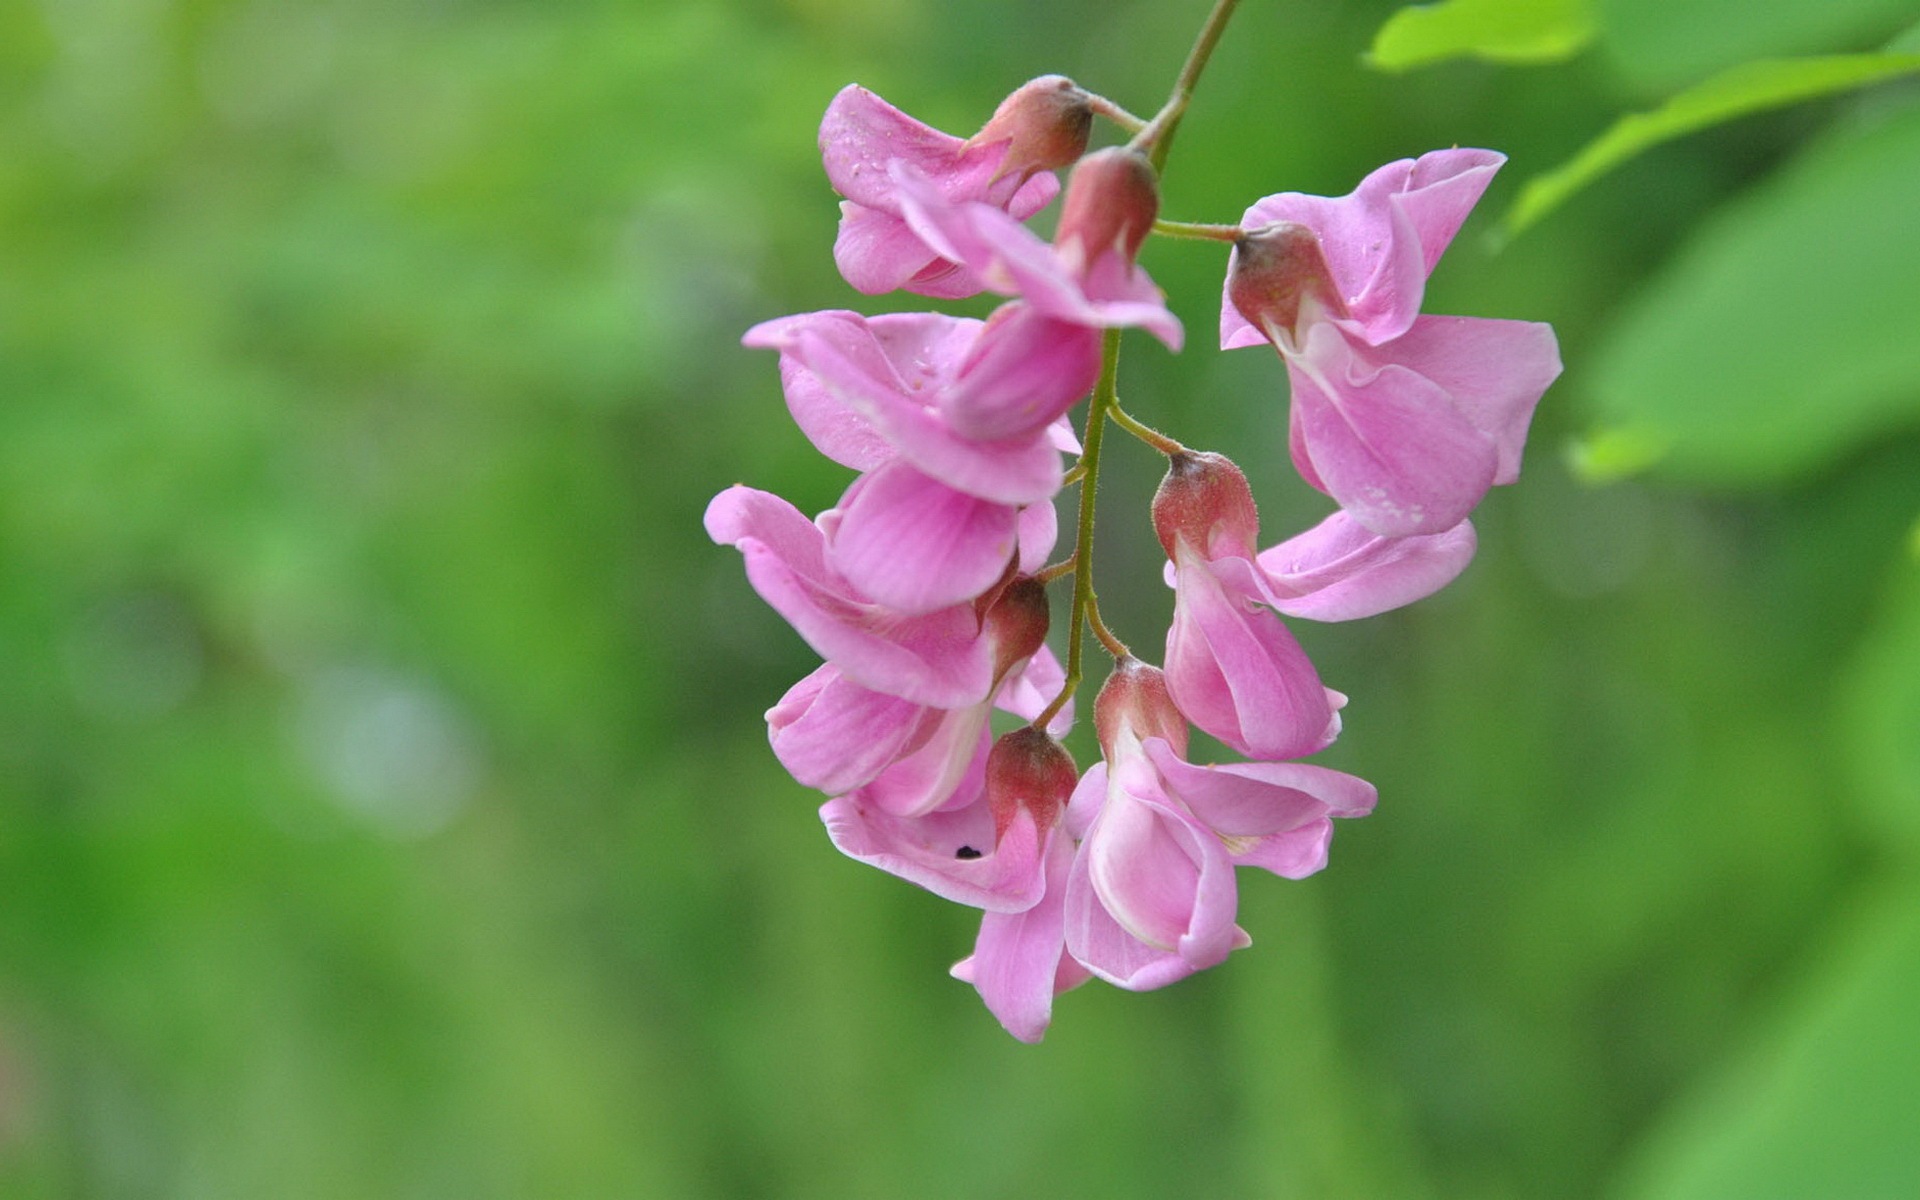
(1737, 92)
(1664, 44)
(1822, 1103)
(1779, 337)
(1509, 31)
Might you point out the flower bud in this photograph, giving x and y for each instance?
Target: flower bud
(1135, 698)
(1205, 501)
(1112, 198)
(1276, 268)
(1028, 770)
(1017, 623)
(1045, 123)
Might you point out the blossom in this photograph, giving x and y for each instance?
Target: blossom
(939, 658)
(1008, 165)
(1404, 419)
(1068, 291)
(835, 735)
(987, 845)
(1151, 895)
(936, 514)
(1234, 668)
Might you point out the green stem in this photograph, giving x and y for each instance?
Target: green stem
(1157, 137)
(1102, 403)
(1114, 645)
(1146, 433)
(1048, 574)
(1195, 232)
(1113, 112)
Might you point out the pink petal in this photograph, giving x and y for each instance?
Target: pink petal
(1123, 296)
(1381, 240)
(834, 735)
(1339, 570)
(1019, 961)
(916, 545)
(1025, 371)
(1387, 442)
(885, 369)
(1030, 688)
(928, 851)
(1160, 874)
(1295, 854)
(937, 659)
(1257, 799)
(1234, 669)
(861, 134)
(1098, 942)
(1039, 529)
(1494, 372)
(957, 740)
(877, 253)
(1012, 260)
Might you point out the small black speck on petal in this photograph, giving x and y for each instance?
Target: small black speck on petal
(966, 852)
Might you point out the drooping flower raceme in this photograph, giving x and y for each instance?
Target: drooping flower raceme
(924, 587)
(1404, 419)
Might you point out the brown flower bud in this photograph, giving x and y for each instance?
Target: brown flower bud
(1205, 501)
(1135, 697)
(1028, 769)
(1045, 123)
(1017, 623)
(1112, 198)
(1275, 268)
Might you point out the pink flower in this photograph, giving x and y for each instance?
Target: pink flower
(1235, 670)
(938, 513)
(832, 734)
(1048, 341)
(987, 845)
(1404, 419)
(1151, 895)
(939, 658)
(1007, 165)
(1020, 961)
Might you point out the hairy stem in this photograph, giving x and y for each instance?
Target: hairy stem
(1146, 433)
(1097, 410)
(1190, 230)
(1113, 112)
(1157, 137)
(1114, 645)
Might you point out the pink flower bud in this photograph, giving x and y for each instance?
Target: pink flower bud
(1113, 196)
(1045, 123)
(1275, 269)
(1135, 697)
(1205, 501)
(1017, 623)
(1029, 770)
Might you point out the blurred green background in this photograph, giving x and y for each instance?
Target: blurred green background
(385, 809)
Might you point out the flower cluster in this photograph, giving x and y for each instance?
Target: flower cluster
(924, 589)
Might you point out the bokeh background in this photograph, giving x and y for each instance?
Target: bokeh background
(385, 809)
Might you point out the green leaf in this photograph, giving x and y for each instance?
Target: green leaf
(1824, 1104)
(1610, 455)
(1880, 717)
(1782, 335)
(1510, 31)
(1748, 88)
(1660, 45)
